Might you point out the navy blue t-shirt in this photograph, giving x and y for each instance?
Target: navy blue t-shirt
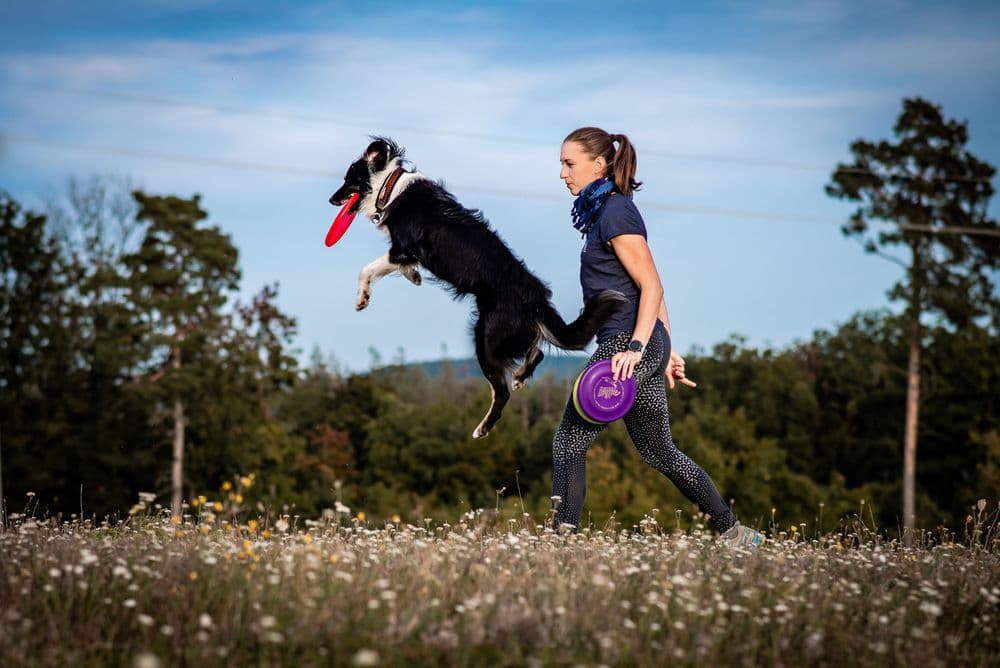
(600, 268)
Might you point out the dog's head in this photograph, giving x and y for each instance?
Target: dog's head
(376, 157)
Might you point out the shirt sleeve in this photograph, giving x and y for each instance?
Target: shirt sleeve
(620, 216)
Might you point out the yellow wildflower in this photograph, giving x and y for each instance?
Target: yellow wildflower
(226, 486)
(361, 516)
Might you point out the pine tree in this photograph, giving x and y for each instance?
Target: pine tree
(927, 193)
(178, 285)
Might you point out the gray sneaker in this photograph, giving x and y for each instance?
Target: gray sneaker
(741, 536)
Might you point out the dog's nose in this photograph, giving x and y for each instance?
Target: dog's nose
(333, 200)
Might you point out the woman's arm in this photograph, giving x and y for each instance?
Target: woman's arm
(675, 366)
(633, 252)
(664, 317)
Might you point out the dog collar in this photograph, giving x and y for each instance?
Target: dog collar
(385, 192)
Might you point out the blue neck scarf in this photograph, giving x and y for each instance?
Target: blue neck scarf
(589, 202)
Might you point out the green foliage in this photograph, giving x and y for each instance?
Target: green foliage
(87, 383)
(934, 192)
(89, 324)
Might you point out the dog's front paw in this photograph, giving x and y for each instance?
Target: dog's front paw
(481, 431)
(362, 303)
(517, 384)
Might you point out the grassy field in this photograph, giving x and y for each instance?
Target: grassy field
(488, 590)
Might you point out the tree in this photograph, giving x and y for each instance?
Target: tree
(94, 220)
(178, 283)
(36, 350)
(930, 195)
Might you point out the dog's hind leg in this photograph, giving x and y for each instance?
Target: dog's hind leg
(376, 269)
(524, 372)
(496, 373)
(411, 273)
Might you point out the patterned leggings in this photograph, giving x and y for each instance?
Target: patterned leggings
(648, 425)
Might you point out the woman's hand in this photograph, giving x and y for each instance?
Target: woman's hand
(623, 364)
(675, 369)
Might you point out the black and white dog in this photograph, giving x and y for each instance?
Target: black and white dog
(427, 226)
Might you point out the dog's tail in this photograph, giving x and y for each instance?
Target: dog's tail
(577, 334)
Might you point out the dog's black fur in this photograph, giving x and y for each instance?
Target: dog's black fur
(427, 226)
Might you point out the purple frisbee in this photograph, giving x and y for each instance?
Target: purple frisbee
(600, 399)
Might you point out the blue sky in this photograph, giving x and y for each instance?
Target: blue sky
(739, 111)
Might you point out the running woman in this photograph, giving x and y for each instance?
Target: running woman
(615, 256)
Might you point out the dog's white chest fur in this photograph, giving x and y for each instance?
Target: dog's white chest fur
(378, 180)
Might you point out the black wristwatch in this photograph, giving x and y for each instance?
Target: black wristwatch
(635, 346)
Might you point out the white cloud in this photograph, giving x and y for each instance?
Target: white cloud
(437, 97)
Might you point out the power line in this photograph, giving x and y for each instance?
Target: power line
(957, 229)
(168, 156)
(767, 216)
(326, 174)
(910, 177)
(326, 120)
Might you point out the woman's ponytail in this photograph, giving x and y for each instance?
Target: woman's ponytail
(621, 161)
(623, 165)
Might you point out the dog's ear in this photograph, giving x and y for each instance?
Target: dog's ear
(377, 155)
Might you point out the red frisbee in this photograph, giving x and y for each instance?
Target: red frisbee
(343, 220)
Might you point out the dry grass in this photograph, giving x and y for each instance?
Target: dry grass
(486, 591)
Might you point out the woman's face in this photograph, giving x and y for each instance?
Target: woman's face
(579, 169)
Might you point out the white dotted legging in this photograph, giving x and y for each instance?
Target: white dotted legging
(648, 424)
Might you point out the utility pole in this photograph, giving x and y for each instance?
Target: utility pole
(3, 506)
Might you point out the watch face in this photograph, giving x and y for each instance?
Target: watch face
(635, 346)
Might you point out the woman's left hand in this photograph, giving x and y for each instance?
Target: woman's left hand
(675, 369)
(623, 364)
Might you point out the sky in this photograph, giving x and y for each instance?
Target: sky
(739, 112)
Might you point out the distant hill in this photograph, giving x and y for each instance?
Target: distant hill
(563, 367)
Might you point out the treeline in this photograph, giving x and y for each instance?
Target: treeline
(118, 317)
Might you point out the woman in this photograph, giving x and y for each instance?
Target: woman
(637, 340)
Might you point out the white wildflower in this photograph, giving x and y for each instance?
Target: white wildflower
(205, 620)
(146, 660)
(929, 608)
(365, 657)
